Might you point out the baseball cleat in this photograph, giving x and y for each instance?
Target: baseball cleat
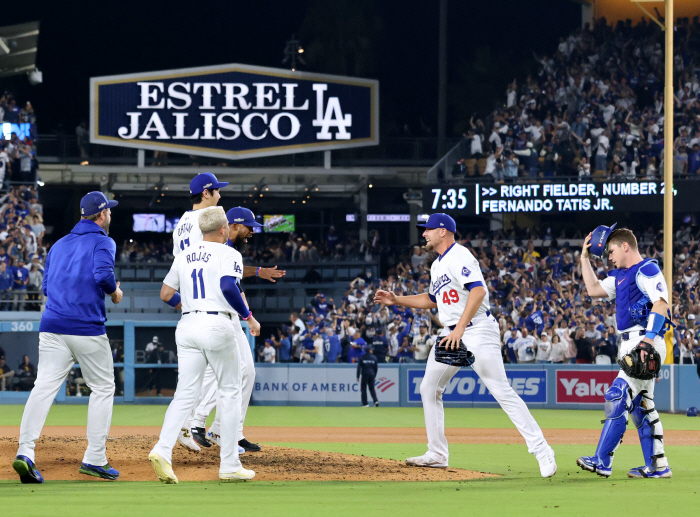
(241, 474)
(199, 434)
(214, 438)
(590, 463)
(426, 461)
(104, 472)
(185, 439)
(249, 446)
(376, 404)
(548, 465)
(164, 470)
(28, 473)
(646, 472)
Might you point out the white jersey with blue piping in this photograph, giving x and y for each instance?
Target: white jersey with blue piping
(197, 273)
(630, 285)
(452, 276)
(187, 232)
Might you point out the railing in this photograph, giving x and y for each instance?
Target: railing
(296, 271)
(21, 300)
(397, 151)
(446, 163)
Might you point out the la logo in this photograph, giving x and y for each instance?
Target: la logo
(332, 118)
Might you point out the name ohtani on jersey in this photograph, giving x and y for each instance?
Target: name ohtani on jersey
(452, 276)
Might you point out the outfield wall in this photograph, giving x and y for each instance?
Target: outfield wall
(540, 386)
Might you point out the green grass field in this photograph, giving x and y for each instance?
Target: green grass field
(518, 491)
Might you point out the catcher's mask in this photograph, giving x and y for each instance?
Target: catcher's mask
(599, 240)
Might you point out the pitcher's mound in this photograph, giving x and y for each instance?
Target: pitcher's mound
(59, 458)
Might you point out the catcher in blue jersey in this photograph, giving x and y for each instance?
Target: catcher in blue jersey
(641, 310)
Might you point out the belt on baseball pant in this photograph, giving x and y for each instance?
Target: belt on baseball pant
(471, 323)
(226, 314)
(628, 335)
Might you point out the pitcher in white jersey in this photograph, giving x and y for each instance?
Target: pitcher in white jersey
(458, 290)
(206, 276)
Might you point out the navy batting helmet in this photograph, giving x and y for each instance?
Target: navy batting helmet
(599, 239)
(692, 411)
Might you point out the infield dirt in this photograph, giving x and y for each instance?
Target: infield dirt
(61, 448)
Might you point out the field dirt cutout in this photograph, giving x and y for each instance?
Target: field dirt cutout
(58, 458)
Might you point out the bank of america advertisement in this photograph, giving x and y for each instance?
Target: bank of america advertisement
(319, 383)
(234, 111)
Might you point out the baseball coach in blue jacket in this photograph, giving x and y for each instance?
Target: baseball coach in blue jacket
(79, 272)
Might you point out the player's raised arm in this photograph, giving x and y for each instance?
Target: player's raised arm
(593, 287)
(417, 301)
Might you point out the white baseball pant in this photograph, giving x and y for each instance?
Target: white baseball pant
(205, 339)
(483, 340)
(208, 399)
(57, 355)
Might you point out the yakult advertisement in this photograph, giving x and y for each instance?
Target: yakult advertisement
(583, 386)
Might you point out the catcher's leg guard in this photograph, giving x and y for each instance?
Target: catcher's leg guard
(651, 432)
(618, 402)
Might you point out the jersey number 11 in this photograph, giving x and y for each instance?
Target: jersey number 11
(197, 274)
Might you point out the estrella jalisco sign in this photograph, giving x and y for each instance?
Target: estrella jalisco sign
(234, 111)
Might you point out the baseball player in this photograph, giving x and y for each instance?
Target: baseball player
(204, 194)
(206, 275)
(641, 296)
(79, 272)
(458, 291)
(241, 224)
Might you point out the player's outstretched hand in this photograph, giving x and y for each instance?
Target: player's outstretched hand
(117, 295)
(385, 297)
(270, 273)
(254, 326)
(586, 245)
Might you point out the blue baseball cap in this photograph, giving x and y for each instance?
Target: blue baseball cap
(241, 215)
(599, 240)
(205, 181)
(94, 202)
(440, 221)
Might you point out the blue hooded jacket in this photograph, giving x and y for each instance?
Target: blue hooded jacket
(79, 272)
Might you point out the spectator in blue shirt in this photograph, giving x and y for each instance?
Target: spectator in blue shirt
(6, 283)
(320, 305)
(357, 347)
(331, 343)
(283, 345)
(406, 349)
(19, 288)
(694, 160)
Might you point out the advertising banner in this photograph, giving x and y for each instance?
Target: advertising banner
(320, 384)
(554, 198)
(466, 386)
(583, 386)
(234, 111)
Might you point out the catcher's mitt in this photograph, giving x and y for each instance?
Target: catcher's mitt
(633, 365)
(454, 357)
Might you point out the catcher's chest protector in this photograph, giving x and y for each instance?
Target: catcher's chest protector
(627, 292)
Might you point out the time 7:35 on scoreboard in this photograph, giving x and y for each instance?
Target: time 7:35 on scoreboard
(449, 199)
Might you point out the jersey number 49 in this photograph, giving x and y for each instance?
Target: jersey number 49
(449, 297)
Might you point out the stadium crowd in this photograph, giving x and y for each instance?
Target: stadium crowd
(536, 294)
(595, 108)
(266, 248)
(18, 161)
(22, 250)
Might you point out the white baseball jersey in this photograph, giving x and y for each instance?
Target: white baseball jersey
(452, 275)
(187, 232)
(197, 273)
